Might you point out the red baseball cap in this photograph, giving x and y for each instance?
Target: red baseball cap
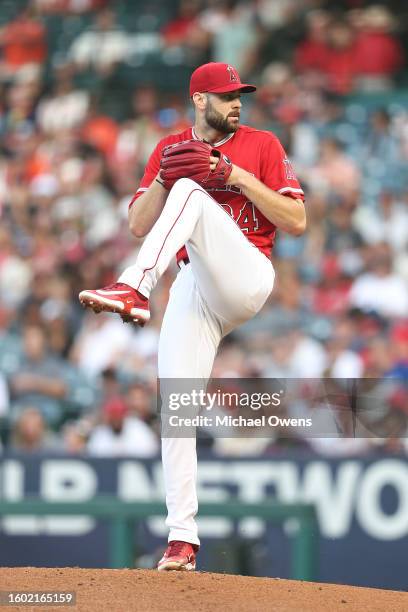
(217, 77)
(114, 408)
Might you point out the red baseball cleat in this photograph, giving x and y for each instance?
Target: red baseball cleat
(179, 556)
(120, 298)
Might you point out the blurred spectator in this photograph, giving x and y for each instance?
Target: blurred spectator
(335, 171)
(342, 360)
(66, 107)
(378, 54)
(100, 219)
(15, 271)
(388, 223)
(331, 295)
(280, 94)
(399, 340)
(19, 117)
(29, 433)
(341, 236)
(177, 31)
(381, 141)
(99, 130)
(37, 295)
(307, 358)
(231, 361)
(185, 40)
(139, 402)
(139, 135)
(310, 53)
(378, 357)
(102, 47)
(75, 435)
(110, 383)
(4, 397)
(276, 14)
(379, 289)
(338, 65)
(23, 41)
(233, 34)
(38, 378)
(100, 344)
(121, 435)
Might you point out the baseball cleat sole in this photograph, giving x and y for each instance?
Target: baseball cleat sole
(100, 304)
(174, 566)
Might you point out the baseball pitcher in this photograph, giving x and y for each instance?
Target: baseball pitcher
(213, 196)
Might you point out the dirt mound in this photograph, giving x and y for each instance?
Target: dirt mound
(105, 590)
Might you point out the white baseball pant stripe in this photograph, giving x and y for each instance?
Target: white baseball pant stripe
(227, 283)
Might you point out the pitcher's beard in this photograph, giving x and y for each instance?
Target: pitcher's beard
(215, 120)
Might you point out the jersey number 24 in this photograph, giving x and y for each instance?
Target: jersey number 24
(246, 218)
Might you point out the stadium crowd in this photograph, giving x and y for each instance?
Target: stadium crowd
(87, 88)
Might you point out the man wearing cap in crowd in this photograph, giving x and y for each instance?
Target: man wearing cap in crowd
(213, 196)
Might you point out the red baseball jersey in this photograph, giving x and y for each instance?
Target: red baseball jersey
(260, 153)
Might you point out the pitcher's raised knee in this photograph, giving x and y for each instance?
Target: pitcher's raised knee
(186, 185)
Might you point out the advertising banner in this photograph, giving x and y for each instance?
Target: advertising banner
(361, 503)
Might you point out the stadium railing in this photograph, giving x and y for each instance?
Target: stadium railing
(123, 515)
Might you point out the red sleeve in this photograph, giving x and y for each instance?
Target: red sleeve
(277, 171)
(151, 170)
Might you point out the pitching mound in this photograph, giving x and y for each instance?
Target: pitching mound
(105, 590)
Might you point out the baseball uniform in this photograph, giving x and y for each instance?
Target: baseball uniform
(223, 245)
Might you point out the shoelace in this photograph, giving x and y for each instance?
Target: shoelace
(120, 286)
(114, 286)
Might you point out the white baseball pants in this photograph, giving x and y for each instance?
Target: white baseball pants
(227, 283)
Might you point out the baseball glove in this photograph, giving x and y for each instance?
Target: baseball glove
(191, 159)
